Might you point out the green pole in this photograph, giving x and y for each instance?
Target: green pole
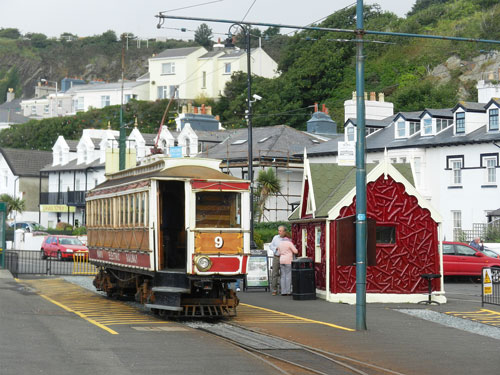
(121, 142)
(3, 212)
(360, 175)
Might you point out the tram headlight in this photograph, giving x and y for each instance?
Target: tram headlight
(203, 263)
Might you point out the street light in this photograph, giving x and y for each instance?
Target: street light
(43, 80)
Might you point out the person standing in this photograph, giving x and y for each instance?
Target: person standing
(286, 250)
(475, 243)
(275, 274)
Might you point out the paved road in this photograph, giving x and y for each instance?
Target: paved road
(401, 342)
(39, 337)
(65, 328)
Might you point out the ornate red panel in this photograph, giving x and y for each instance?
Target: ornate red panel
(399, 265)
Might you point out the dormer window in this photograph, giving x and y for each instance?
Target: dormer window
(442, 123)
(414, 127)
(401, 128)
(427, 126)
(493, 126)
(460, 123)
(84, 155)
(351, 136)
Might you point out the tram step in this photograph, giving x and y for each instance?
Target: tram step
(174, 279)
(168, 299)
(170, 289)
(163, 307)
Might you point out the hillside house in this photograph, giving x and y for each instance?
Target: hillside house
(194, 72)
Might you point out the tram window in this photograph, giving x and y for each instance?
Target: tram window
(108, 212)
(145, 209)
(218, 210)
(137, 209)
(122, 210)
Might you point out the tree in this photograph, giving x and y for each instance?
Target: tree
(267, 184)
(10, 33)
(203, 35)
(13, 204)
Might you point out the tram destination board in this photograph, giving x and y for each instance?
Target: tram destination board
(257, 271)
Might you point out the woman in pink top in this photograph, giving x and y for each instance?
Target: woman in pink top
(286, 249)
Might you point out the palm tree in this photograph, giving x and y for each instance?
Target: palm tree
(13, 204)
(267, 184)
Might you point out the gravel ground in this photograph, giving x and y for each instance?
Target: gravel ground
(454, 322)
(83, 281)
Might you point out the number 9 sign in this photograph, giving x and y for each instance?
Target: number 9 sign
(219, 242)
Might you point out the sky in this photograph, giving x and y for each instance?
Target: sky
(93, 17)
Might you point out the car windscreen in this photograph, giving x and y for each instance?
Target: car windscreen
(70, 241)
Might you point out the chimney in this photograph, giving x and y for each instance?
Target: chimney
(372, 96)
(10, 95)
(184, 108)
(203, 112)
(218, 46)
(354, 95)
(323, 108)
(381, 97)
(315, 107)
(195, 110)
(326, 110)
(209, 110)
(491, 76)
(190, 108)
(217, 118)
(366, 96)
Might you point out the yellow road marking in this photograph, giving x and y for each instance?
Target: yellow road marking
(80, 315)
(294, 317)
(89, 306)
(484, 316)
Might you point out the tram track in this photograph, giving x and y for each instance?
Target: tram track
(287, 356)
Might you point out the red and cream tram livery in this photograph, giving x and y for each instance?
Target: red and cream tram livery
(173, 233)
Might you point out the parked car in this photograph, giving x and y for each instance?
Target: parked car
(28, 226)
(460, 259)
(496, 251)
(63, 247)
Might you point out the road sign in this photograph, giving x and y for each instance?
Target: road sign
(487, 284)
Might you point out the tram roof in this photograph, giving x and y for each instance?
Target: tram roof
(189, 172)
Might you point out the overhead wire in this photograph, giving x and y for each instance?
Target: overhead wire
(192, 6)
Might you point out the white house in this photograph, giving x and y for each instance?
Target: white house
(454, 155)
(195, 72)
(100, 95)
(81, 98)
(20, 178)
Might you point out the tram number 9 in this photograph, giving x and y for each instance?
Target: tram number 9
(219, 242)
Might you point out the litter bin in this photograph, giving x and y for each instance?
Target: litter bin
(303, 285)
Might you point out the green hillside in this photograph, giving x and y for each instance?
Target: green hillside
(315, 67)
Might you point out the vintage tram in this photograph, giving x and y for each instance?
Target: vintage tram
(173, 233)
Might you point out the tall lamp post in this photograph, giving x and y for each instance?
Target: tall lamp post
(43, 80)
(246, 30)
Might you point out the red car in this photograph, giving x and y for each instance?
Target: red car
(63, 247)
(460, 259)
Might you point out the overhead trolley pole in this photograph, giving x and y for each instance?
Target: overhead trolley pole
(360, 32)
